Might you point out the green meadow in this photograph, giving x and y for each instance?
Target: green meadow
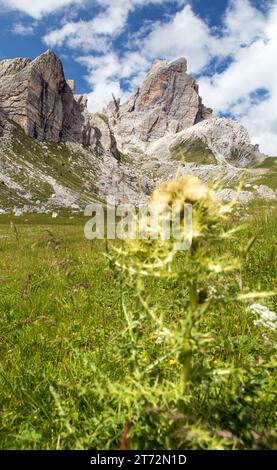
(69, 377)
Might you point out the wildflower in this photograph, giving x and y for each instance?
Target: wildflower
(184, 214)
(265, 317)
(161, 335)
(172, 362)
(215, 267)
(186, 189)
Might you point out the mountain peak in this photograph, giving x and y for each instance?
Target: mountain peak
(119, 153)
(167, 102)
(36, 95)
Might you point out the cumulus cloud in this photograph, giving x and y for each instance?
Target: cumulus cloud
(107, 71)
(242, 24)
(183, 35)
(37, 8)
(94, 34)
(247, 88)
(244, 46)
(23, 30)
(97, 33)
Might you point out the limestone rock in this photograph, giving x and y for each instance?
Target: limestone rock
(12, 66)
(167, 103)
(1, 125)
(89, 129)
(162, 129)
(244, 197)
(228, 195)
(264, 192)
(216, 140)
(36, 95)
(31, 94)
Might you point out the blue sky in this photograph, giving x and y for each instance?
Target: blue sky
(107, 46)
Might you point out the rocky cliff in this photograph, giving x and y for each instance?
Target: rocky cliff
(31, 95)
(55, 153)
(167, 102)
(36, 95)
(217, 141)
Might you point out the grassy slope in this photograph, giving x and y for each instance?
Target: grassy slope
(60, 315)
(31, 163)
(196, 152)
(270, 178)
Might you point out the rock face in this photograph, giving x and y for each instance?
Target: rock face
(167, 103)
(89, 129)
(36, 96)
(31, 95)
(1, 125)
(12, 66)
(120, 154)
(213, 141)
(166, 112)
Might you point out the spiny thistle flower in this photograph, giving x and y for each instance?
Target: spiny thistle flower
(189, 190)
(185, 189)
(171, 341)
(153, 253)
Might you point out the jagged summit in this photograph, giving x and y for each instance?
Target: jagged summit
(36, 95)
(10, 67)
(167, 102)
(177, 66)
(64, 156)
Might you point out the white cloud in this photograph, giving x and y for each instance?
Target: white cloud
(254, 67)
(94, 34)
(244, 45)
(242, 25)
(105, 73)
(184, 35)
(23, 30)
(97, 33)
(37, 8)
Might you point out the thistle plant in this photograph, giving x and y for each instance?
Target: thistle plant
(178, 358)
(161, 348)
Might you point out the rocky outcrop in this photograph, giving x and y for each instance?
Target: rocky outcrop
(89, 129)
(213, 141)
(12, 66)
(163, 128)
(165, 115)
(1, 125)
(167, 103)
(31, 95)
(35, 94)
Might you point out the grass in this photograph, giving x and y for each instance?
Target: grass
(270, 178)
(35, 166)
(193, 152)
(126, 159)
(62, 330)
(269, 162)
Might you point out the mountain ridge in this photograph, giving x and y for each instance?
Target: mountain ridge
(49, 139)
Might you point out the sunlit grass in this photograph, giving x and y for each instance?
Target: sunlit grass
(62, 327)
